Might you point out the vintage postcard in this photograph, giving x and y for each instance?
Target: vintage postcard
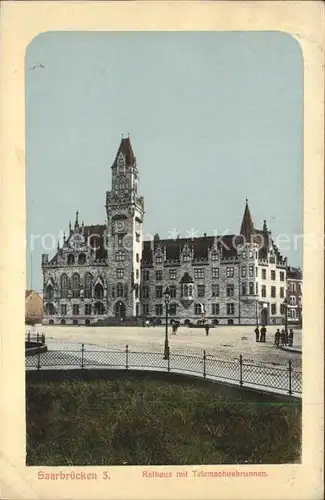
(162, 277)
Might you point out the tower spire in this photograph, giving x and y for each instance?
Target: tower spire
(247, 226)
(76, 224)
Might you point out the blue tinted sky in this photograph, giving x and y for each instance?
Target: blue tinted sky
(214, 117)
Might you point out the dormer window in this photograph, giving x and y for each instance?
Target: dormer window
(186, 258)
(158, 259)
(214, 256)
(121, 163)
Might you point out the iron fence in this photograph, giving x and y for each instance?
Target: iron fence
(281, 379)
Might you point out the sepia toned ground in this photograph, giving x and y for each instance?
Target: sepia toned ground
(224, 342)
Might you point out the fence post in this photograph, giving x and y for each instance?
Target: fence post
(43, 338)
(240, 369)
(39, 360)
(37, 337)
(290, 374)
(204, 361)
(28, 336)
(82, 356)
(126, 357)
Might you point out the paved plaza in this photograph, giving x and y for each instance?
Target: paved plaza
(224, 342)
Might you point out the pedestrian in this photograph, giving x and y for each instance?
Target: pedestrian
(257, 334)
(286, 337)
(277, 337)
(291, 338)
(263, 334)
(283, 337)
(147, 322)
(207, 329)
(174, 328)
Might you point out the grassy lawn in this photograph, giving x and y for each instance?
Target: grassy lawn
(157, 422)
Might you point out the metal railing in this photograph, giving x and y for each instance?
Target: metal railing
(239, 372)
(35, 337)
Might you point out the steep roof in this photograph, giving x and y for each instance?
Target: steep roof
(294, 273)
(27, 293)
(247, 226)
(199, 246)
(125, 148)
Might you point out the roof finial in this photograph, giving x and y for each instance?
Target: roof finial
(76, 224)
(70, 226)
(63, 237)
(128, 135)
(122, 136)
(246, 200)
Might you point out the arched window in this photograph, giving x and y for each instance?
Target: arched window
(82, 259)
(49, 309)
(119, 290)
(125, 291)
(198, 309)
(99, 291)
(75, 285)
(49, 292)
(64, 285)
(70, 259)
(99, 308)
(63, 321)
(88, 286)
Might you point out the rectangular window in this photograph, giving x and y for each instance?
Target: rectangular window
(137, 237)
(263, 291)
(273, 308)
(172, 310)
(273, 292)
(137, 257)
(244, 255)
(230, 309)
(244, 271)
(273, 275)
(119, 242)
(63, 309)
(145, 275)
(159, 309)
(243, 289)
(251, 288)
(145, 292)
(88, 309)
(251, 254)
(200, 290)
(199, 273)
(292, 300)
(214, 256)
(119, 273)
(282, 292)
(137, 273)
(230, 272)
(186, 258)
(159, 259)
(159, 275)
(172, 291)
(281, 276)
(263, 274)
(75, 309)
(145, 309)
(215, 272)
(172, 274)
(256, 288)
(251, 271)
(282, 309)
(256, 272)
(215, 309)
(230, 290)
(215, 290)
(158, 292)
(119, 256)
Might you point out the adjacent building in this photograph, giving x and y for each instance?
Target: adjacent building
(108, 271)
(33, 307)
(294, 295)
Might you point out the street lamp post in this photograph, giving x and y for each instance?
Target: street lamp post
(285, 305)
(167, 300)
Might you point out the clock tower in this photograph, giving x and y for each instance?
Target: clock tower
(124, 210)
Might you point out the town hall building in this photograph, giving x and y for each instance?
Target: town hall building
(107, 273)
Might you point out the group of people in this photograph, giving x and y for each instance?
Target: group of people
(260, 335)
(282, 336)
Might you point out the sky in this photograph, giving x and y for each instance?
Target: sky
(214, 118)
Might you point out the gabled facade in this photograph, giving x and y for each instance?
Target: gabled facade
(108, 271)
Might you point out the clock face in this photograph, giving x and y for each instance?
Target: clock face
(120, 225)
